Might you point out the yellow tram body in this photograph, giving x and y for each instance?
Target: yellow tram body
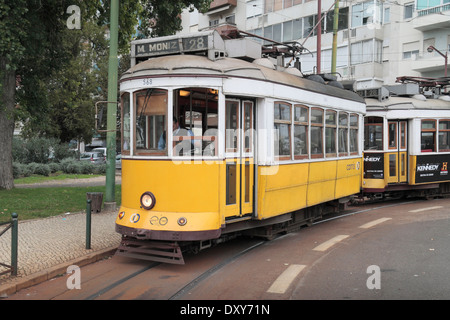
(202, 204)
(264, 150)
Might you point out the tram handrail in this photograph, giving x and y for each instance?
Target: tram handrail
(13, 225)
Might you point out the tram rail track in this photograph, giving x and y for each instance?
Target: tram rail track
(187, 287)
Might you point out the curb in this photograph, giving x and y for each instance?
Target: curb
(18, 284)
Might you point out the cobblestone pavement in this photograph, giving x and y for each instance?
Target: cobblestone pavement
(47, 246)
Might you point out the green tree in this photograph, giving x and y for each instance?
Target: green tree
(46, 77)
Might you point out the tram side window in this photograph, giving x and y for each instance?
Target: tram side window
(428, 136)
(151, 113)
(330, 133)
(373, 133)
(343, 133)
(316, 133)
(282, 125)
(300, 132)
(126, 116)
(354, 133)
(444, 135)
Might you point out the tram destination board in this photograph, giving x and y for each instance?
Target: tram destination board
(171, 46)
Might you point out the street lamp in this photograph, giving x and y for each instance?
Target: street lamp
(431, 49)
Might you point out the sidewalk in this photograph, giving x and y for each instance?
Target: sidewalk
(48, 246)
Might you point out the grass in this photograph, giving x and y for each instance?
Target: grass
(58, 176)
(34, 203)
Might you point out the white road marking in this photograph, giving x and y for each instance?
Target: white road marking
(284, 280)
(374, 223)
(426, 209)
(327, 244)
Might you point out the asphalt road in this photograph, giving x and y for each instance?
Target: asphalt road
(385, 251)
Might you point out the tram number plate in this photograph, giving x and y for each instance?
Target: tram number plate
(195, 43)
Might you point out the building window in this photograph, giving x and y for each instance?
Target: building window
(428, 136)
(409, 8)
(254, 8)
(410, 55)
(366, 51)
(366, 13)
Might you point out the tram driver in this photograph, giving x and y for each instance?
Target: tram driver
(183, 147)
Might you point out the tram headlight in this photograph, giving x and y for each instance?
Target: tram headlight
(148, 200)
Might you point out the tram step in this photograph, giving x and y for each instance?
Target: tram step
(166, 252)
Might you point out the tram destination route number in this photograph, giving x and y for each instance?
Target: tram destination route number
(171, 46)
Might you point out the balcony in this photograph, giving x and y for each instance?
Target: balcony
(432, 18)
(221, 5)
(429, 62)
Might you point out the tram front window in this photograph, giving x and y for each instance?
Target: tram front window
(151, 113)
(196, 112)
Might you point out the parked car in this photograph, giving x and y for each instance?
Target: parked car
(93, 157)
(102, 150)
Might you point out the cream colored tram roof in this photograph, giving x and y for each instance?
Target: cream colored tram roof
(404, 103)
(228, 67)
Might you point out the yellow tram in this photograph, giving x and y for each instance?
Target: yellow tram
(251, 147)
(407, 139)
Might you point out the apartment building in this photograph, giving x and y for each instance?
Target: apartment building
(377, 41)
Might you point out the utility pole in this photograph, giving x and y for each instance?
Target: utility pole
(110, 202)
(335, 31)
(319, 35)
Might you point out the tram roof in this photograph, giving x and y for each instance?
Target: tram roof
(408, 103)
(196, 65)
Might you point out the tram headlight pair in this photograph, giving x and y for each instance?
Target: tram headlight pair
(148, 200)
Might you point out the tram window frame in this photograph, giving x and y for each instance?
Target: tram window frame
(195, 108)
(301, 121)
(403, 130)
(153, 118)
(126, 123)
(231, 125)
(444, 132)
(317, 138)
(281, 122)
(343, 133)
(373, 122)
(427, 132)
(353, 134)
(392, 135)
(330, 129)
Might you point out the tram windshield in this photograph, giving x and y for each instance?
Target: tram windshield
(193, 125)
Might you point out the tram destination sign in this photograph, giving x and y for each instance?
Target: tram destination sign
(152, 48)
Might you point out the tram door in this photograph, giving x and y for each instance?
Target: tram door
(397, 153)
(239, 153)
